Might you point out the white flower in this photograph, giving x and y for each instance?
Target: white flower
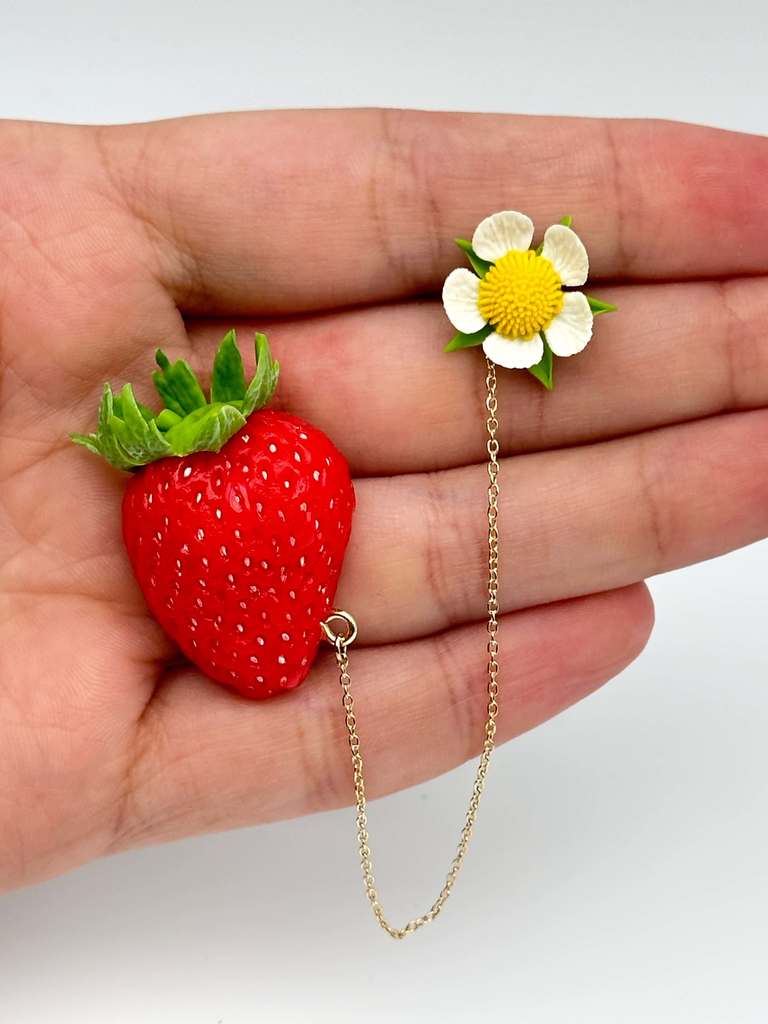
(522, 294)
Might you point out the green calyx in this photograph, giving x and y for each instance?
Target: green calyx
(130, 435)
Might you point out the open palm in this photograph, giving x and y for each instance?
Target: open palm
(333, 231)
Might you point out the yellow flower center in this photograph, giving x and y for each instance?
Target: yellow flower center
(520, 295)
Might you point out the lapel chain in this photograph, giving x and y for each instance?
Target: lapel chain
(340, 630)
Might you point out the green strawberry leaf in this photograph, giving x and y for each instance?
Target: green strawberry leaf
(177, 385)
(461, 340)
(129, 435)
(139, 438)
(544, 370)
(205, 430)
(107, 440)
(167, 419)
(598, 307)
(479, 265)
(146, 413)
(264, 382)
(228, 382)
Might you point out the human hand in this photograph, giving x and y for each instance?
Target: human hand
(332, 231)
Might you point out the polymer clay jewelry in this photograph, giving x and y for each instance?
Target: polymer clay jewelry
(236, 517)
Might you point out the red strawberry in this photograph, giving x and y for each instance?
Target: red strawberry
(237, 534)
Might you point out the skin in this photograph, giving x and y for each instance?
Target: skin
(333, 232)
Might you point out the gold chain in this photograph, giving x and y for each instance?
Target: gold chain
(344, 636)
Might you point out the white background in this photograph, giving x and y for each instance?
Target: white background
(619, 870)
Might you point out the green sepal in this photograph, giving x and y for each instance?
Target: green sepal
(544, 370)
(139, 437)
(264, 382)
(228, 381)
(479, 265)
(124, 436)
(460, 340)
(130, 435)
(117, 405)
(205, 430)
(102, 442)
(177, 385)
(598, 307)
(167, 419)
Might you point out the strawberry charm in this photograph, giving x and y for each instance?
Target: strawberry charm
(236, 518)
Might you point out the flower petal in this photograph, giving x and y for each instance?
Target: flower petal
(513, 353)
(497, 234)
(571, 329)
(460, 300)
(565, 251)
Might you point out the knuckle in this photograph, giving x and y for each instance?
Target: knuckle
(452, 553)
(462, 683)
(402, 182)
(657, 522)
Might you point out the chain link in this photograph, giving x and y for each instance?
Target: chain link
(342, 640)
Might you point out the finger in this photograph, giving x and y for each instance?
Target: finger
(378, 382)
(571, 522)
(288, 211)
(211, 761)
